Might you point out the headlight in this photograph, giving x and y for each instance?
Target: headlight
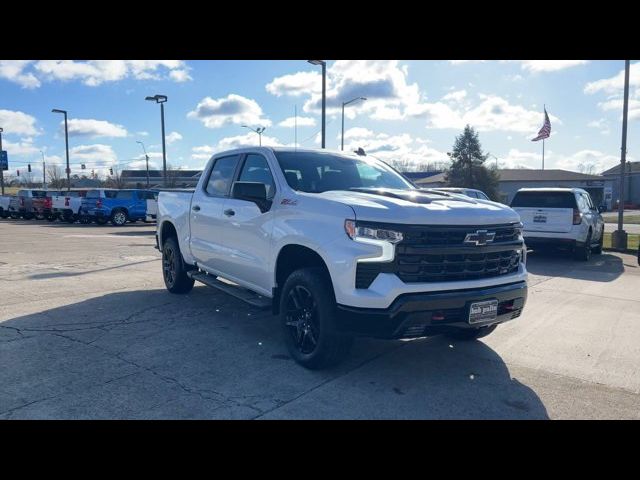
(518, 229)
(354, 231)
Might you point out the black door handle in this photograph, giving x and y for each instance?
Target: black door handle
(229, 213)
(195, 208)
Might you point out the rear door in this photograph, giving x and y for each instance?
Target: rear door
(206, 217)
(545, 211)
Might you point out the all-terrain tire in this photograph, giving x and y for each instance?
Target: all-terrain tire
(174, 269)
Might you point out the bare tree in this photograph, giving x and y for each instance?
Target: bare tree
(587, 167)
(55, 177)
(172, 176)
(115, 180)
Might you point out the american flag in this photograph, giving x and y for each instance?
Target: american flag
(545, 131)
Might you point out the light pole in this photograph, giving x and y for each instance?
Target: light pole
(1, 169)
(66, 142)
(44, 173)
(344, 104)
(496, 160)
(258, 130)
(147, 157)
(619, 237)
(324, 94)
(161, 99)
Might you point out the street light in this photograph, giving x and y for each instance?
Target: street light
(258, 130)
(147, 157)
(491, 155)
(324, 94)
(344, 104)
(161, 99)
(66, 142)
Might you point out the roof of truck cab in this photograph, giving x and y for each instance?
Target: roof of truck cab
(244, 148)
(552, 189)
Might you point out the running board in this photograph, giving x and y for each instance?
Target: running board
(232, 289)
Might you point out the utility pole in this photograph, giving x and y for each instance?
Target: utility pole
(147, 157)
(619, 237)
(44, 172)
(1, 170)
(66, 142)
(161, 99)
(324, 96)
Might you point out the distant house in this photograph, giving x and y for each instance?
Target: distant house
(511, 180)
(177, 178)
(632, 182)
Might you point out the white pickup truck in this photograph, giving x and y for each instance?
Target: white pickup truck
(66, 207)
(342, 245)
(4, 206)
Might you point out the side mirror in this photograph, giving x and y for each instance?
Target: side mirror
(252, 192)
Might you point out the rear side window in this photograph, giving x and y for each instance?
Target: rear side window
(544, 200)
(124, 195)
(221, 175)
(38, 194)
(93, 194)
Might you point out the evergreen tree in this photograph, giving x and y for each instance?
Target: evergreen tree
(467, 165)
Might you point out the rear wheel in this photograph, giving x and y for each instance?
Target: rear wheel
(174, 270)
(101, 220)
(119, 218)
(27, 216)
(307, 313)
(471, 333)
(598, 249)
(584, 252)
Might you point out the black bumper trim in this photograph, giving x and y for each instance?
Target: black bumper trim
(419, 314)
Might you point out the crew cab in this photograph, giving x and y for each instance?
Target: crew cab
(340, 245)
(22, 205)
(43, 206)
(560, 217)
(117, 206)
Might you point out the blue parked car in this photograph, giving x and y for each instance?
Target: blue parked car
(117, 206)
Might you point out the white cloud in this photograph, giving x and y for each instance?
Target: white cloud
(295, 84)
(302, 122)
(456, 96)
(232, 109)
(142, 134)
(87, 127)
(21, 147)
(173, 137)
(357, 132)
(462, 62)
(602, 124)
(202, 152)
(13, 70)
(18, 123)
(583, 160)
(31, 74)
(615, 85)
(249, 139)
(550, 65)
(98, 154)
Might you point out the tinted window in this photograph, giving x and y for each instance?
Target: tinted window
(110, 193)
(256, 169)
(482, 196)
(148, 195)
(221, 175)
(125, 195)
(471, 193)
(544, 200)
(317, 172)
(38, 194)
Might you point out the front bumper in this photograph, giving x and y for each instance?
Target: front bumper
(420, 314)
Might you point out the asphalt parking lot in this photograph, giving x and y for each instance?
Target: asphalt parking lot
(88, 331)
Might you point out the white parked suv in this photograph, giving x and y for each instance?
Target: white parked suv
(341, 245)
(564, 217)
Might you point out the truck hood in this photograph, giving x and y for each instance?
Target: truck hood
(421, 207)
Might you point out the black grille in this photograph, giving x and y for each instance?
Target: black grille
(439, 254)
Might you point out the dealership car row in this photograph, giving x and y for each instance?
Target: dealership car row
(100, 205)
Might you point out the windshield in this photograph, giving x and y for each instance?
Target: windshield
(544, 200)
(317, 172)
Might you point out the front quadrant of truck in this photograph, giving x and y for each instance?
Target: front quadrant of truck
(340, 246)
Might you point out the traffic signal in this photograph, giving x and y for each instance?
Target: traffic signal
(111, 171)
(83, 166)
(29, 168)
(18, 172)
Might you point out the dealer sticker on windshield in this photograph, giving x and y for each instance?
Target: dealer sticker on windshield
(483, 311)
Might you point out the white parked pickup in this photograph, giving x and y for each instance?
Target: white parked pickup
(342, 245)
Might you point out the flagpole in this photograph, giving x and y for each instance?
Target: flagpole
(543, 153)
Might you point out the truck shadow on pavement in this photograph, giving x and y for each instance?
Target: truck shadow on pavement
(557, 263)
(150, 354)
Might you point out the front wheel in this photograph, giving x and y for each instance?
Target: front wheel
(174, 270)
(584, 252)
(119, 218)
(307, 313)
(101, 220)
(471, 333)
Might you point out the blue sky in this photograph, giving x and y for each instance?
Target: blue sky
(413, 111)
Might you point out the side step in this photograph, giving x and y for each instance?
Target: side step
(233, 289)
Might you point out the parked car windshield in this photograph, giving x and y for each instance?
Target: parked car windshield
(317, 172)
(544, 200)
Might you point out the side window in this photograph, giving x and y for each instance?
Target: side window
(582, 204)
(110, 193)
(256, 169)
(587, 198)
(221, 176)
(124, 194)
(471, 193)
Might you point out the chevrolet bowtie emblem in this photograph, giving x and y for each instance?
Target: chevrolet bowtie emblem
(480, 237)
